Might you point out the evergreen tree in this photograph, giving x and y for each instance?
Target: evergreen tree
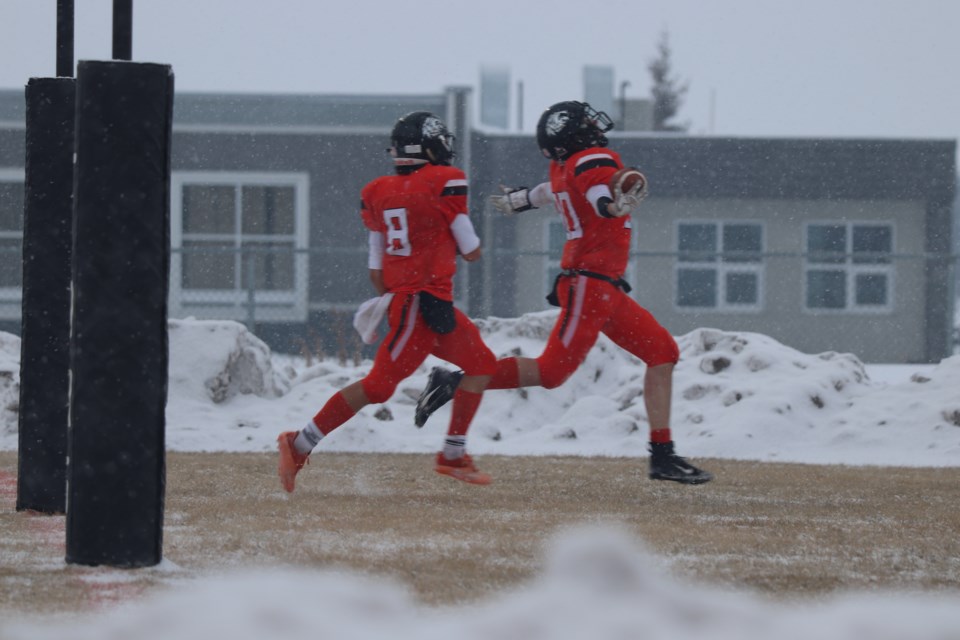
(668, 92)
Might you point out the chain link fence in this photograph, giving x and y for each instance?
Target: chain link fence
(262, 283)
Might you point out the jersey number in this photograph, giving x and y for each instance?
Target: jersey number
(398, 234)
(570, 220)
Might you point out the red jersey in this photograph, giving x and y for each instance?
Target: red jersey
(594, 243)
(414, 213)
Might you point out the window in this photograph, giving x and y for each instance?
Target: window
(556, 237)
(11, 241)
(236, 239)
(719, 265)
(848, 266)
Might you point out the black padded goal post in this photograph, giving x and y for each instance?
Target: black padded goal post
(118, 354)
(45, 319)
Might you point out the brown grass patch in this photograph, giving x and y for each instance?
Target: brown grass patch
(784, 530)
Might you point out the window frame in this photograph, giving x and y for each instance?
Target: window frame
(721, 268)
(11, 298)
(851, 269)
(289, 305)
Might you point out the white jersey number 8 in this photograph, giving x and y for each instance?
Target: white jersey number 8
(398, 235)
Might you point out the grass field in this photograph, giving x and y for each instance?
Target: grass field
(782, 530)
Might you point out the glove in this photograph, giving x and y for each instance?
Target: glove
(512, 201)
(627, 199)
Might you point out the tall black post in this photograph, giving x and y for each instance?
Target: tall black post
(122, 29)
(118, 354)
(45, 321)
(64, 38)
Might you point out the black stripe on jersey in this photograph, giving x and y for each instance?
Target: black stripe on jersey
(593, 164)
(454, 191)
(363, 205)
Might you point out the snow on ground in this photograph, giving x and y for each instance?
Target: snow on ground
(598, 583)
(736, 395)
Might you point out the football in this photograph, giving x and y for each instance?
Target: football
(626, 180)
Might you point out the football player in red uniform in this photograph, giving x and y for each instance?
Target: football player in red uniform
(590, 289)
(417, 225)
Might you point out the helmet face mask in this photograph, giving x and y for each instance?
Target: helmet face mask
(419, 138)
(568, 127)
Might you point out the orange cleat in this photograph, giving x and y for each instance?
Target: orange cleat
(461, 469)
(291, 460)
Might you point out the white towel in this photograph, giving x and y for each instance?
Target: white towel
(368, 317)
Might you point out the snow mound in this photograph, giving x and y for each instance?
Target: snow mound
(736, 395)
(931, 400)
(221, 359)
(724, 376)
(744, 395)
(735, 386)
(920, 418)
(9, 383)
(732, 390)
(222, 389)
(597, 582)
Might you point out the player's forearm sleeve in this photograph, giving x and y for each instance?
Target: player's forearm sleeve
(541, 195)
(464, 234)
(377, 248)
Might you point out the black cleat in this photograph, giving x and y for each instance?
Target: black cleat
(441, 385)
(667, 465)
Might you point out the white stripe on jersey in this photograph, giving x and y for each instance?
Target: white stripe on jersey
(455, 183)
(594, 156)
(408, 327)
(579, 293)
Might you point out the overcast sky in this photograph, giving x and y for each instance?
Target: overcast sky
(865, 68)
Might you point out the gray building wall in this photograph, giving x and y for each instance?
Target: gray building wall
(12, 154)
(638, 116)
(297, 112)
(495, 96)
(12, 150)
(783, 183)
(598, 88)
(783, 315)
(339, 159)
(339, 164)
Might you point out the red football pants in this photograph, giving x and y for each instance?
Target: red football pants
(591, 306)
(410, 341)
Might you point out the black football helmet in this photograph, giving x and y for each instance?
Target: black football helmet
(568, 127)
(420, 137)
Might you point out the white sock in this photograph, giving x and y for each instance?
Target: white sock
(308, 438)
(454, 447)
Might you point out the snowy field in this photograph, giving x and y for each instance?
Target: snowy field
(736, 395)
